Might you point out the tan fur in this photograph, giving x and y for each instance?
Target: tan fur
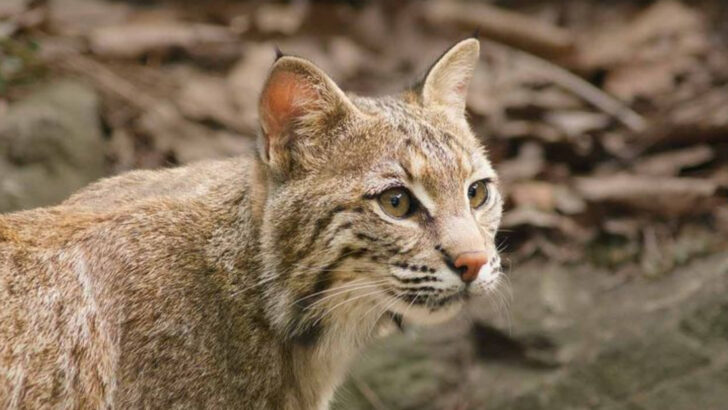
(250, 282)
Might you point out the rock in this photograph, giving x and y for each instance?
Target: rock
(704, 391)
(50, 146)
(709, 321)
(630, 368)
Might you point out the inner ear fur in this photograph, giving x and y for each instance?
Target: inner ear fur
(298, 101)
(446, 83)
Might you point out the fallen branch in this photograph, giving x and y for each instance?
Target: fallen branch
(577, 85)
(109, 82)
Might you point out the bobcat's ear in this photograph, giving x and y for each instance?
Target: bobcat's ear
(446, 84)
(298, 101)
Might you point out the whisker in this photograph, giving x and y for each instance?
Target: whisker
(378, 304)
(410, 305)
(378, 317)
(341, 292)
(346, 301)
(269, 280)
(506, 308)
(352, 284)
(309, 269)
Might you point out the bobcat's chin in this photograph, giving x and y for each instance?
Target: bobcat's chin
(438, 312)
(426, 316)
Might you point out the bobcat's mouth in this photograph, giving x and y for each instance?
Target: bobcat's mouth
(436, 302)
(426, 308)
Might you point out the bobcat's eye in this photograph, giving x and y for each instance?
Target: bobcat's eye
(478, 194)
(396, 202)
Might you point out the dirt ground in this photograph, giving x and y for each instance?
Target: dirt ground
(607, 121)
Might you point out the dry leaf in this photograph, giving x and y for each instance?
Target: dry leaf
(530, 217)
(281, 18)
(121, 150)
(186, 140)
(133, 40)
(576, 123)
(348, 57)
(646, 55)
(721, 219)
(530, 129)
(10, 8)
(206, 98)
(80, 17)
(672, 162)
(517, 29)
(660, 32)
(537, 195)
(661, 195)
(528, 164)
(627, 227)
(246, 79)
(708, 111)
(567, 201)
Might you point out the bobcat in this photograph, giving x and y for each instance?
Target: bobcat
(253, 282)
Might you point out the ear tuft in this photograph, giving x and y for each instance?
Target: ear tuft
(446, 84)
(279, 53)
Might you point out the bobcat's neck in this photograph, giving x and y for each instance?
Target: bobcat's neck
(320, 368)
(315, 369)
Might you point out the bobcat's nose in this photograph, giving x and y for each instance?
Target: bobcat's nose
(469, 264)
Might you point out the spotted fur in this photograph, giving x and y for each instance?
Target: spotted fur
(251, 282)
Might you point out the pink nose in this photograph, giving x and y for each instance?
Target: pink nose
(471, 262)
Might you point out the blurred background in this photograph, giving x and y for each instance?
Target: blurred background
(607, 121)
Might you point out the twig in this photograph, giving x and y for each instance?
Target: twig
(580, 87)
(110, 82)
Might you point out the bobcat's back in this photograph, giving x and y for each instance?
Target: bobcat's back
(91, 316)
(54, 339)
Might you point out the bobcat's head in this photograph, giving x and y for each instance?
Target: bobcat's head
(379, 209)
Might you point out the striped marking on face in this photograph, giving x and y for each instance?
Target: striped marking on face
(421, 195)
